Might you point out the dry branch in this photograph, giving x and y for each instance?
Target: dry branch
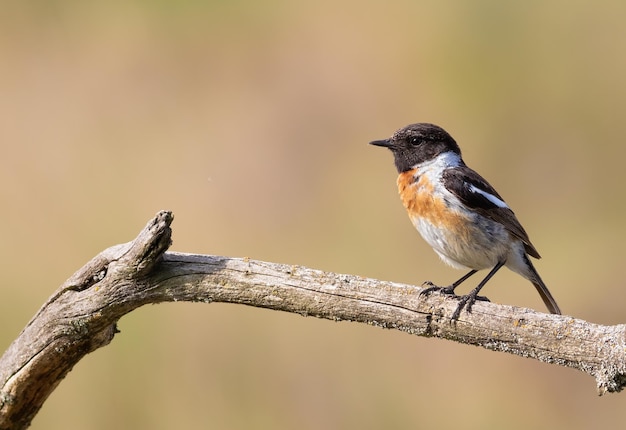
(81, 315)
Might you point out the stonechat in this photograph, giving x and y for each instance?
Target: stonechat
(458, 212)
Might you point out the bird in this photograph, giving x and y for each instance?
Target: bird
(458, 213)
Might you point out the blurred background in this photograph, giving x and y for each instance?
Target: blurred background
(250, 121)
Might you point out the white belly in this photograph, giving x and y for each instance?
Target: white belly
(483, 245)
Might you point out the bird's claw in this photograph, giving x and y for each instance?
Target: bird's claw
(431, 288)
(467, 301)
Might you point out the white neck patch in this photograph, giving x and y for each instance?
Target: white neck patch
(441, 161)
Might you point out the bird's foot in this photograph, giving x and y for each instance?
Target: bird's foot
(467, 301)
(431, 288)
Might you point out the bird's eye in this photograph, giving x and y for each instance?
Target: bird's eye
(414, 140)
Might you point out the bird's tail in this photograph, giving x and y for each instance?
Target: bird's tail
(543, 290)
(547, 297)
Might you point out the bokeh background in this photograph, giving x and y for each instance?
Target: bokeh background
(250, 121)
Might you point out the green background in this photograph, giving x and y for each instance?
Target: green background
(250, 121)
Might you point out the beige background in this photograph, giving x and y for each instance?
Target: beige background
(250, 120)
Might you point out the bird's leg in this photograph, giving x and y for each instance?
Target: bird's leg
(450, 289)
(468, 300)
(445, 290)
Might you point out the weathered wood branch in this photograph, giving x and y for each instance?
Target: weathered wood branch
(81, 315)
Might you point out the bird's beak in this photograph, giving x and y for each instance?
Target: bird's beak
(385, 143)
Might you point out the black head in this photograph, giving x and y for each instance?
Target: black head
(417, 143)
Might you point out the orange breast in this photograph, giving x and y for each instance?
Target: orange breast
(421, 202)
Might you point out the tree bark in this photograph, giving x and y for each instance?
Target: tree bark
(81, 315)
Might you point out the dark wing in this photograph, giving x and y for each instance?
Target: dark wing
(476, 193)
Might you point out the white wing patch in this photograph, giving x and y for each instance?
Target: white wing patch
(493, 199)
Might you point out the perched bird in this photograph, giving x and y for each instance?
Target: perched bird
(458, 213)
